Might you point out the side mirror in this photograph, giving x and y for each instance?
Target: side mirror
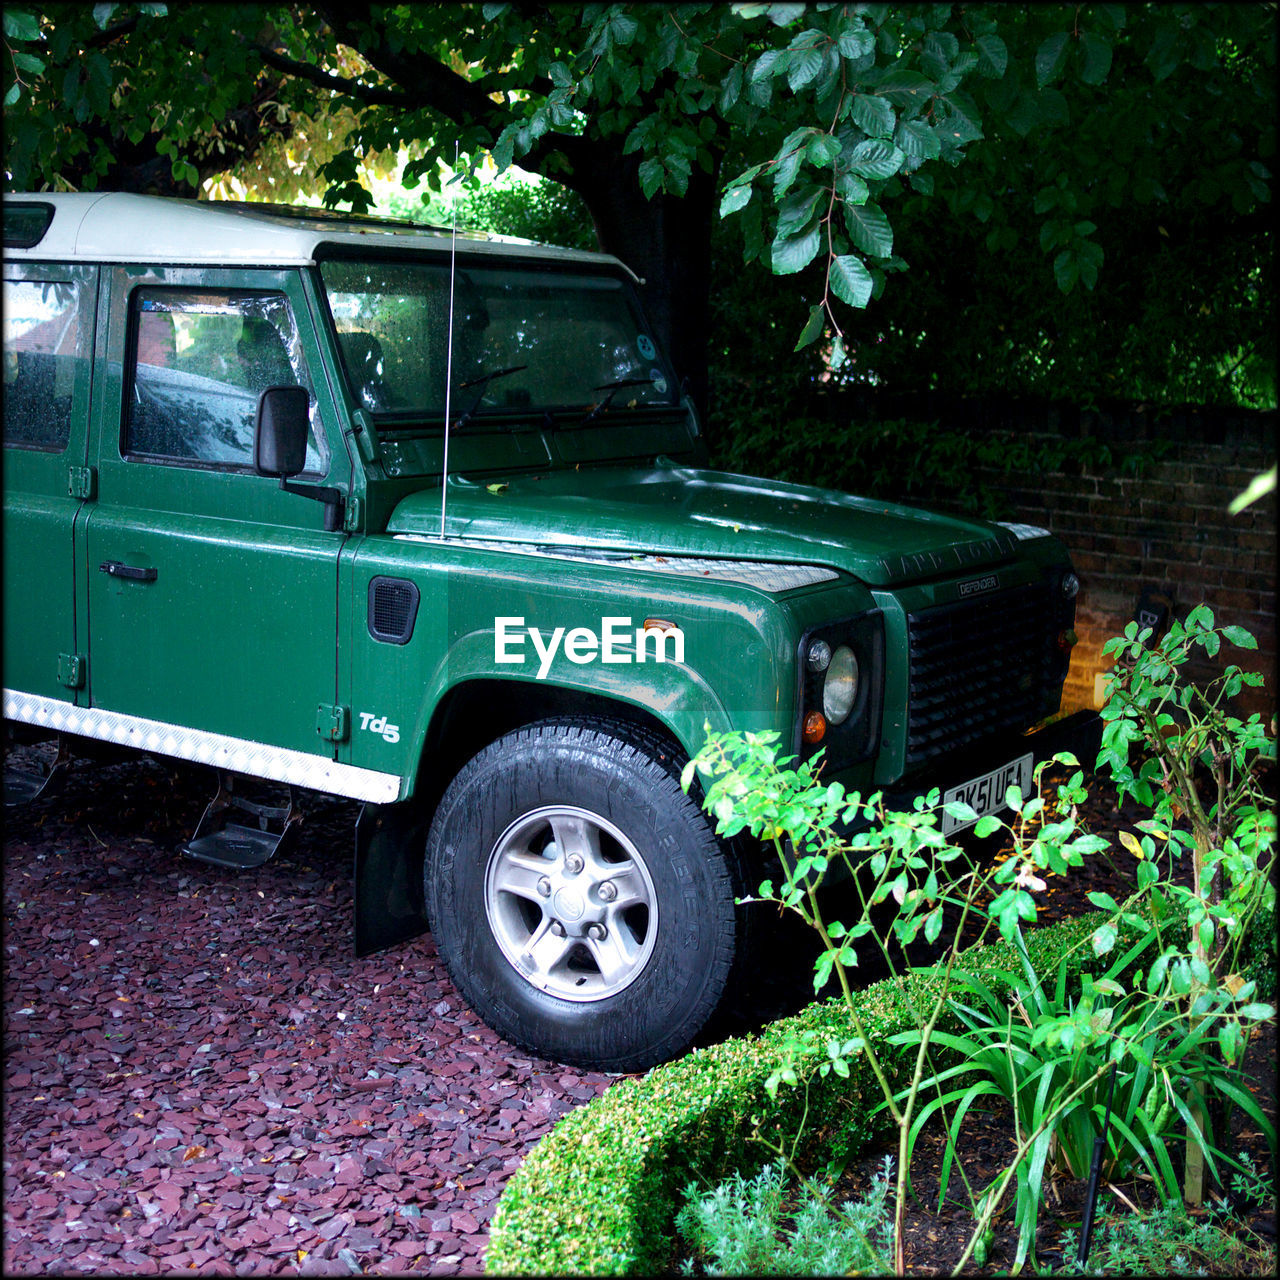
(280, 436)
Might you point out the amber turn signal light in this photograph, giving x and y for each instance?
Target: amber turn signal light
(815, 727)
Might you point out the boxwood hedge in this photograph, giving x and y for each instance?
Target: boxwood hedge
(598, 1195)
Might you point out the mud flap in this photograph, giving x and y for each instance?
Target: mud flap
(390, 843)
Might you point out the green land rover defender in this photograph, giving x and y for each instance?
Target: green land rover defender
(238, 531)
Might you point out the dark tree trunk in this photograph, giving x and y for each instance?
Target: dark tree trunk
(666, 241)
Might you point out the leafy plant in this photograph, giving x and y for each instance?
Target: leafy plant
(1071, 1067)
(1176, 747)
(899, 862)
(740, 1227)
(1168, 1242)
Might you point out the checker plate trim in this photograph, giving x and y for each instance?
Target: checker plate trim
(238, 755)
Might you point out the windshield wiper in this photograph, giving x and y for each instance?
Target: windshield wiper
(612, 388)
(483, 383)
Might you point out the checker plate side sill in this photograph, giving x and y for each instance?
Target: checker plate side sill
(237, 755)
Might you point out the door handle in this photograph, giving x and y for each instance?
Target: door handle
(114, 569)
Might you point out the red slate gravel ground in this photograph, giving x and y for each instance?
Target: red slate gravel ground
(198, 1075)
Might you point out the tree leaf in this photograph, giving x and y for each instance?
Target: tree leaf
(622, 28)
(1066, 270)
(807, 51)
(1097, 57)
(908, 88)
(651, 174)
(730, 90)
(869, 229)
(25, 26)
(875, 158)
(852, 189)
(798, 209)
(823, 150)
(812, 330)
(918, 140)
(1051, 57)
(850, 280)
(793, 253)
(782, 15)
(735, 198)
(873, 115)
(855, 42)
(993, 56)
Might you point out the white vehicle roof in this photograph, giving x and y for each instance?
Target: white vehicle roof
(119, 227)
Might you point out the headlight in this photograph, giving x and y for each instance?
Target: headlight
(841, 686)
(1070, 586)
(819, 655)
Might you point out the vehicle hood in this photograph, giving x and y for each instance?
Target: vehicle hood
(683, 511)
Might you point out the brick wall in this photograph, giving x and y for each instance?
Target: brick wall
(1167, 532)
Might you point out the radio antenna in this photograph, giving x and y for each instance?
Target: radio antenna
(448, 360)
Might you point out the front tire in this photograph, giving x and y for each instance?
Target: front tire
(580, 900)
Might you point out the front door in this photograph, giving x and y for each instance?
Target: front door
(212, 593)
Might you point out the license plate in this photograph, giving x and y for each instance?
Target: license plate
(986, 794)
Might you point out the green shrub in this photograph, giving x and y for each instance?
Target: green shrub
(739, 1227)
(1169, 1242)
(599, 1194)
(1260, 953)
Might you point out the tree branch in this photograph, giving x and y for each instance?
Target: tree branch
(367, 93)
(435, 85)
(439, 88)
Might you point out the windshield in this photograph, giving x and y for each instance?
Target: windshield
(526, 339)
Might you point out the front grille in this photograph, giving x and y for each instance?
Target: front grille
(978, 668)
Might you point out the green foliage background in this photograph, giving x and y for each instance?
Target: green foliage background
(1054, 200)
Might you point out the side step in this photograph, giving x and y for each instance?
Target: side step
(234, 844)
(21, 786)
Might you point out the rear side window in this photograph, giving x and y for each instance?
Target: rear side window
(46, 346)
(25, 224)
(199, 361)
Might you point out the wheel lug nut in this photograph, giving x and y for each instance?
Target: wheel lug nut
(544, 887)
(596, 932)
(557, 928)
(608, 891)
(573, 863)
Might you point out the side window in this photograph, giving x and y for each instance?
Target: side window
(46, 347)
(199, 362)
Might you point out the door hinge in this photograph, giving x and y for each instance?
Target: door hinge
(71, 670)
(351, 515)
(332, 722)
(82, 482)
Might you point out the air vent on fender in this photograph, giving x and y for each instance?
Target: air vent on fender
(393, 609)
